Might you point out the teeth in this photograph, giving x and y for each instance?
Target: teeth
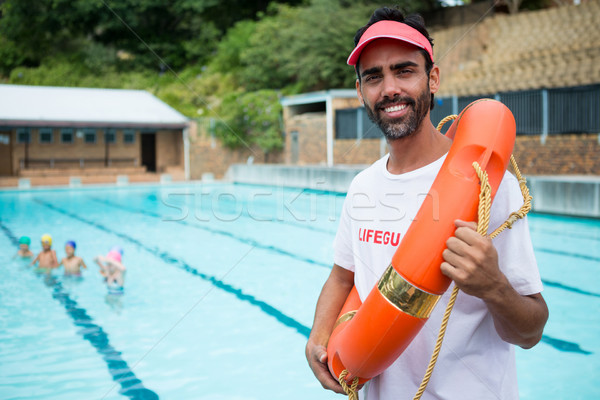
(395, 108)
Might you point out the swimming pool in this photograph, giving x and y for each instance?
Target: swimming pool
(220, 292)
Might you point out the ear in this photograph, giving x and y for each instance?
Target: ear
(434, 79)
(359, 94)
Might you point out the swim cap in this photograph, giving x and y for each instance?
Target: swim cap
(47, 239)
(25, 240)
(114, 255)
(118, 249)
(71, 243)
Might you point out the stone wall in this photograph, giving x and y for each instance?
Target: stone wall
(576, 154)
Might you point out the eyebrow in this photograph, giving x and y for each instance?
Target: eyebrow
(403, 65)
(394, 67)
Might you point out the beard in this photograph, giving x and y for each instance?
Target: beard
(405, 126)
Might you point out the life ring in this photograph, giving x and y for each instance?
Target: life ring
(368, 337)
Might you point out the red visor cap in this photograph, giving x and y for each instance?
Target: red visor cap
(390, 30)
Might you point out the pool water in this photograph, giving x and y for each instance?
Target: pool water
(220, 292)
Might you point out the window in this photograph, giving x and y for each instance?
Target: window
(128, 136)
(66, 136)
(89, 136)
(110, 136)
(45, 135)
(23, 135)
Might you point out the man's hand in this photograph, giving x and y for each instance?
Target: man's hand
(316, 355)
(471, 261)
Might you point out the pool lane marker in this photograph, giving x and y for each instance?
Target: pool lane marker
(563, 345)
(558, 344)
(121, 373)
(567, 254)
(248, 241)
(170, 259)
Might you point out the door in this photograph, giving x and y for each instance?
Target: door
(5, 154)
(148, 146)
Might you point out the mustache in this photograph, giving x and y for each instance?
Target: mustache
(397, 99)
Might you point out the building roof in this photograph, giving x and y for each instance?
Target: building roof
(37, 106)
(317, 97)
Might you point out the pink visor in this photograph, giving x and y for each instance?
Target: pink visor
(390, 30)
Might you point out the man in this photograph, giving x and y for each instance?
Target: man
(500, 302)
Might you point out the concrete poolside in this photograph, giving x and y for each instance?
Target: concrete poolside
(574, 195)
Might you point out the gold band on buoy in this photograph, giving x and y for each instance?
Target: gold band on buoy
(406, 297)
(346, 317)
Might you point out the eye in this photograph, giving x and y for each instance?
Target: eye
(372, 78)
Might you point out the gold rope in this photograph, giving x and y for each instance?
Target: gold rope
(443, 122)
(483, 212)
(350, 390)
(485, 204)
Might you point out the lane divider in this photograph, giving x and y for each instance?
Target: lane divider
(170, 259)
(118, 368)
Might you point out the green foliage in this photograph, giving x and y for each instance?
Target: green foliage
(251, 119)
(196, 55)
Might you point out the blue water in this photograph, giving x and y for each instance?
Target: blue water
(220, 292)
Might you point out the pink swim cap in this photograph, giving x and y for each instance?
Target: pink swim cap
(114, 255)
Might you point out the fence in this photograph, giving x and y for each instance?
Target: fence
(537, 112)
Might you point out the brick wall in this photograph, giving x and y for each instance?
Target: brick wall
(77, 149)
(169, 150)
(312, 138)
(349, 151)
(577, 154)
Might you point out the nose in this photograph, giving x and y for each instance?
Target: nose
(390, 87)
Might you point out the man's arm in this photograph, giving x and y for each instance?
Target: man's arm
(332, 298)
(471, 261)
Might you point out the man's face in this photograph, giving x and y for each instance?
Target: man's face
(395, 88)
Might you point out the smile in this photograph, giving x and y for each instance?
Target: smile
(395, 108)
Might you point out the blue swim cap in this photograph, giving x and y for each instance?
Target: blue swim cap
(71, 243)
(25, 240)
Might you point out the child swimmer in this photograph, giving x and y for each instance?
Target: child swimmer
(112, 269)
(71, 262)
(24, 252)
(46, 259)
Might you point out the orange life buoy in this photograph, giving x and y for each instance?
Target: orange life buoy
(368, 337)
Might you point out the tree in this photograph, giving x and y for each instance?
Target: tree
(251, 119)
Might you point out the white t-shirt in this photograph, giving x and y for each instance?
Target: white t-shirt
(474, 362)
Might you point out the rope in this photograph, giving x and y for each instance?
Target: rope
(483, 214)
(443, 122)
(485, 204)
(350, 390)
(483, 222)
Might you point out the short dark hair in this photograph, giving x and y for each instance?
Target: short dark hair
(413, 20)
